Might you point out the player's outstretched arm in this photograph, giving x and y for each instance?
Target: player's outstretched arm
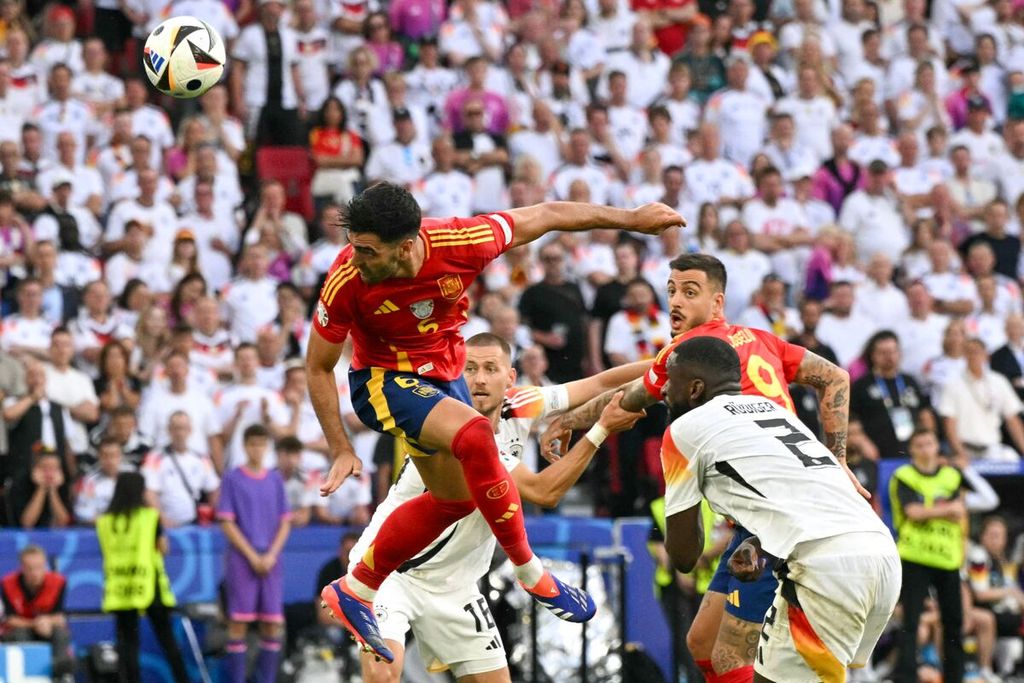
(533, 222)
(555, 438)
(613, 379)
(833, 386)
(684, 538)
(321, 357)
(547, 487)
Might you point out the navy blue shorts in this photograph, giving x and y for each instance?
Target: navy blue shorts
(746, 601)
(398, 402)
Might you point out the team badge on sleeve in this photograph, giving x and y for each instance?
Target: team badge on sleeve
(451, 286)
(422, 309)
(321, 314)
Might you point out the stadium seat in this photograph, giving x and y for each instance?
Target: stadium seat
(293, 167)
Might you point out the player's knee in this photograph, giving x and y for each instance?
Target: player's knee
(473, 438)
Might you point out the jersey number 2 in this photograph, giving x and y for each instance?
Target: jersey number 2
(792, 438)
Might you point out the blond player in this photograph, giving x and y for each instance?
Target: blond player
(435, 595)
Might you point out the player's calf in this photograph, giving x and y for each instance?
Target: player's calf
(375, 670)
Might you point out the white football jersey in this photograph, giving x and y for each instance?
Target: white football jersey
(758, 465)
(461, 555)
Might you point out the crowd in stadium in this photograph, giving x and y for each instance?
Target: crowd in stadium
(858, 166)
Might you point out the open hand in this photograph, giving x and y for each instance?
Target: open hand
(345, 465)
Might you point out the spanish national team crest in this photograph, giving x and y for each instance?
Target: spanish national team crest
(422, 309)
(321, 314)
(451, 286)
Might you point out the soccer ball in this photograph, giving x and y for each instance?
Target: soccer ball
(184, 57)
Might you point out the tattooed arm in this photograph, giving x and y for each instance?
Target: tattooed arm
(833, 386)
(635, 398)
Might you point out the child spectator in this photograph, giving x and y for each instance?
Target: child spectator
(253, 510)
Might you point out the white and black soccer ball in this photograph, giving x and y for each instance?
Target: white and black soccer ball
(184, 57)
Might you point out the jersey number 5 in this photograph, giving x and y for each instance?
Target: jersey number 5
(792, 438)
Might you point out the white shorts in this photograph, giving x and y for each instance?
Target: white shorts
(834, 599)
(454, 630)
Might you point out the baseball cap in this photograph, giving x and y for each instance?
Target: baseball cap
(60, 12)
(761, 38)
(799, 172)
(401, 114)
(737, 57)
(61, 177)
(184, 234)
(975, 102)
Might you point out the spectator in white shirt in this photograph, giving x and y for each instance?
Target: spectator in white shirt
(72, 389)
(842, 327)
(985, 322)
(768, 310)
(740, 114)
(88, 188)
(96, 325)
(94, 84)
(27, 333)
(645, 66)
(271, 117)
(814, 113)
(872, 216)
(714, 179)
(63, 113)
(921, 332)
(640, 329)
(315, 54)
(178, 479)
(243, 403)
(879, 299)
(446, 191)
(250, 300)
(784, 148)
(405, 161)
(747, 268)
(156, 216)
(973, 406)
(177, 395)
(96, 488)
(954, 292)
(778, 226)
(969, 191)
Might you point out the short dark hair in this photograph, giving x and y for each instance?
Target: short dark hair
(705, 263)
(288, 444)
(386, 210)
(919, 432)
(256, 431)
(711, 357)
(108, 441)
(488, 339)
(243, 346)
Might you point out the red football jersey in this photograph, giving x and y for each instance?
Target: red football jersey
(412, 324)
(768, 363)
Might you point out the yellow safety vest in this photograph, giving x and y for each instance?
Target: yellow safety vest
(702, 577)
(936, 543)
(132, 565)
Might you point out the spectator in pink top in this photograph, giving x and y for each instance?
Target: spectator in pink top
(495, 108)
(956, 104)
(377, 31)
(417, 19)
(839, 176)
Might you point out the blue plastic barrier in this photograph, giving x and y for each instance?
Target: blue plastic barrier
(25, 663)
(195, 565)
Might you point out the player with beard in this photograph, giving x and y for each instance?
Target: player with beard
(756, 463)
(723, 637)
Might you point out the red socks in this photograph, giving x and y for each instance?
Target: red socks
(705, 668)
(492, 488)
(410, 528)
(742, 675)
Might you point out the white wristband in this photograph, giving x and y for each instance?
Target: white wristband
(597, 434)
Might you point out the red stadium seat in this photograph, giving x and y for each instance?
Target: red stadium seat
(293, 167)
